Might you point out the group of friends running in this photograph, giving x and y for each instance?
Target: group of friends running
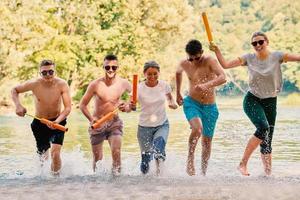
(204, 73)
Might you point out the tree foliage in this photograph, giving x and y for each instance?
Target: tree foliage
(77, 34)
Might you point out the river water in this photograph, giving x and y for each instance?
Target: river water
(22, 177)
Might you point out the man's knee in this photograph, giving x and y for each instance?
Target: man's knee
(116, 152)
(55, 154)
(206, 143)
(196, 131)
(97, 155)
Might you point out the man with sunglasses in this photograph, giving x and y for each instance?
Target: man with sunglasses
(204, 74)
(107, 91)
(49, 93)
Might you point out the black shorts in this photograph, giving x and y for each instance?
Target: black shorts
(44, 135)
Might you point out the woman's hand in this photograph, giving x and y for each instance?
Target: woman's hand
(213, 47)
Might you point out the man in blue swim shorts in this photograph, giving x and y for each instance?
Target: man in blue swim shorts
(204, 74)
(208, 113)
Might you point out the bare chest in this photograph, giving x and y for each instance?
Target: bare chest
(200, 75)
(106, 93)
(47, 95)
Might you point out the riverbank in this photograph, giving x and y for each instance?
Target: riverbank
(291, 100)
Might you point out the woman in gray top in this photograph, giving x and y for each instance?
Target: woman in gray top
(265, 82)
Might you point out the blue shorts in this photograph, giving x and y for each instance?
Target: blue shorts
(208, 113)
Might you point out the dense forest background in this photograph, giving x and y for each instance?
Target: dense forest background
(77, 34)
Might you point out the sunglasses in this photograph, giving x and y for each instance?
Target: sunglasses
(108, 67)
(45, 72)
(260, 42)
(192, 59)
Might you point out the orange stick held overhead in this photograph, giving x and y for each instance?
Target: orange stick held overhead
(134, 88)
(48, 122)
(105, 118)
(207, 29)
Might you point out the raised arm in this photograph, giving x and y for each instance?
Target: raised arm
(24, 87)
(89, 93)
(179, 71)
(66, 97)
(225, 64)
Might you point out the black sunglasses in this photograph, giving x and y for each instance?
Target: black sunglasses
(45, 72)
(192, 59)
(108, 67)
(260, 42)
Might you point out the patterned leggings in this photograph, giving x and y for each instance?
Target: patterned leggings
(262, 113)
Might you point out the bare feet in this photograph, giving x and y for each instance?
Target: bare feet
(267, 163)
(268, 172)
(43, 158)
(55, 174)
(204, 167)
(158, 170)
(243, 170)
(116, 171)
(190, 168)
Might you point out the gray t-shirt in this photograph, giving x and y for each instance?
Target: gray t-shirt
(265, 77)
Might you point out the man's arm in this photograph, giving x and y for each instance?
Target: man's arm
(127, 86)
(89, 93)
(218, 80)
(179, 71)
(66, 97)
(24, 87)
(127, 107)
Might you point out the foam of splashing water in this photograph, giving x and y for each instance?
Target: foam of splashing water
(78, 181)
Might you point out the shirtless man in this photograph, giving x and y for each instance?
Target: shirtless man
(107, 91)
(49, 93)
(204, 74)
